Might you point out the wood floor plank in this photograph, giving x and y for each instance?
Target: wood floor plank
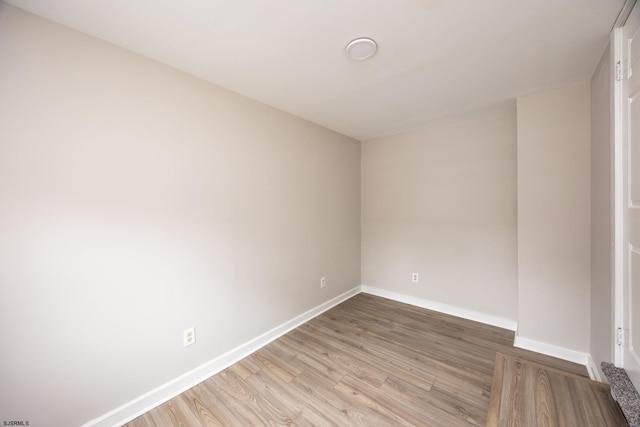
(493, 412)
(354, 389)
(209, 406)
(218, 403)
(375, 362)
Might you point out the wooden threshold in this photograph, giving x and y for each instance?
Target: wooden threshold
(528, 394)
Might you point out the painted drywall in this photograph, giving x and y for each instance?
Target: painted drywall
(601, 344)
(441, 202)
(137, 201)
(554, 211)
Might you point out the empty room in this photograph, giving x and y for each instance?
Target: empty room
(327, 213)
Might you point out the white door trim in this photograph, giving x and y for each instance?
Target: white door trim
(618, 250)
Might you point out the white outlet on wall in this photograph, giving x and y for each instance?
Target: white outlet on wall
(323, 282)
(189, 336)
(414, 277)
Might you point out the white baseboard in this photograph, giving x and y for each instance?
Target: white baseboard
(153, 398)
(464, 313)
(551, 350)
(592, 368)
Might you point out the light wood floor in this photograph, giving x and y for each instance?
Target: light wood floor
(369, 361)
(529, 394)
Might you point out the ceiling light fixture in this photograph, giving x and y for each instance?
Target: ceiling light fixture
(361, 48)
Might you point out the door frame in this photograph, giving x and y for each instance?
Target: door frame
(618, 196)
(619, 71)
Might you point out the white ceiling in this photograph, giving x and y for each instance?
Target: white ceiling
(435, 59)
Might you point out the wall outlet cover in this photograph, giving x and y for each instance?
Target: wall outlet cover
(189, 336)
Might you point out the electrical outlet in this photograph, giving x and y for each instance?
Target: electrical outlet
(323, 282)
(189, 336)
(414, 277)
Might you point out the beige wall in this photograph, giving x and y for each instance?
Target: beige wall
(601, 213)
(137, 201)
(554, 217)
(441, 202)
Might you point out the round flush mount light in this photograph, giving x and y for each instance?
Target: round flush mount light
(361, 48)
